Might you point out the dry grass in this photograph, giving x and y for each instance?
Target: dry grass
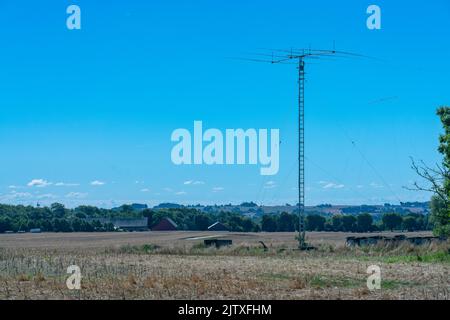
(244, 271)
(167, 239)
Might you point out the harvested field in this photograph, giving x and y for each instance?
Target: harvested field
(168, 265)
(170, 238)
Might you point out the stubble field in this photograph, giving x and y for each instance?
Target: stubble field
(175, 265)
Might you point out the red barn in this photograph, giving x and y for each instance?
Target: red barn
(166, 224)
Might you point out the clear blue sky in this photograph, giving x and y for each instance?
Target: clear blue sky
(86, 115)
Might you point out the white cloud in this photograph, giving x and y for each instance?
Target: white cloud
(193, 182)
(64, 184)
(76, 195)
(168, 189)
(376, 185)
(13, 187)
(46, 196)
(218, 189)
(145, 190)
(38, 183)
(97, 183)
(180, 193)
(270, 185)
(332, 185)
(16, 196)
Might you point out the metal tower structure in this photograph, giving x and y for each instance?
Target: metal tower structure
(301, 154)
(298, 57)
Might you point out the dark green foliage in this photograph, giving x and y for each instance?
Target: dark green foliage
(315, 222)
(438, 179)
(440, 216)
(336, 223)
(202, 221)
(392, 221)
(287, 222)
(364, 222)
(349, 223)
(269, 223)
(248, 204)
(440, 209)
(57, 218)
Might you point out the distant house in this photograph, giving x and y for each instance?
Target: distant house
(217, 226)
(131, 224)
(166, 224)
(35, 230)
(124, 224)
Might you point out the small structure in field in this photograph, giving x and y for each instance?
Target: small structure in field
(35, 230)
(373, 240)
(217, 242)
(166, 224)
(217, 226)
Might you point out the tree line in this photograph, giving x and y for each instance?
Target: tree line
(363, 222)
(57, 218)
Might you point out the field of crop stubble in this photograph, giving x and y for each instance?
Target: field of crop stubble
(175, 265)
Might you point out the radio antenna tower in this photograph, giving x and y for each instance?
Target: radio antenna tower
(298, 57)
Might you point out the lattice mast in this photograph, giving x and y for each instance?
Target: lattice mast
(301, 154)
(286, 57)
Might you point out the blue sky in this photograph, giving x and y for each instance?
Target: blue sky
(86, 115)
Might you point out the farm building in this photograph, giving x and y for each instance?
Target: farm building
(166, 224)
(217, 226)
(124, 224)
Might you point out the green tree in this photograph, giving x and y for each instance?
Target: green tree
(46, 225)
(202, 222)
(268, 223)
(5, 224)
(315, 222)
(392, 221)
(248, 225)
(61, 225)
(440, 216)
(348, 223)
(126, 209)
(438, 179)
(58, 210)
(147, 213)
(109, 227)
(364, 222)
(336, 222)
(286, 222)
(410, 223)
